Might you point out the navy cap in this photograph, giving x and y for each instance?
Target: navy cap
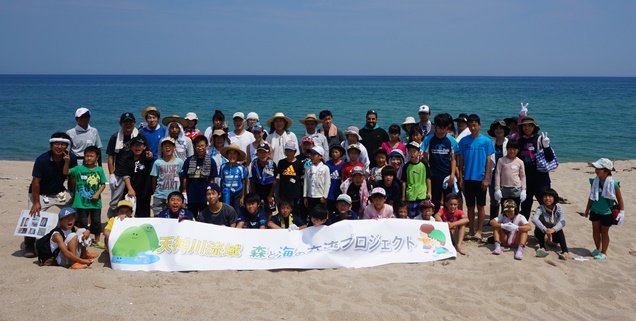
(126, 116)
(214, 187)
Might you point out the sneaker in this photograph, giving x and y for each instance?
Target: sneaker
(519, 255)
(600, 257)
(542, 253)
(595, 253)
(98, 245)
(497, 251)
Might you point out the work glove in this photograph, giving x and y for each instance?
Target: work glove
(524, 110)
(293, 227)
(498, 195)
(113, 181)
(545, 141)
(185, 198)
(620, 218)
(523, 195)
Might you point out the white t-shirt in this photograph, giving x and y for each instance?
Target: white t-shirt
(243, 140)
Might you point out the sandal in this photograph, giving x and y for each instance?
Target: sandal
(595, 253)
(600, 257)
(91, 255)
(562, 256)
(542, 253)
(78, 266)
(98, 245)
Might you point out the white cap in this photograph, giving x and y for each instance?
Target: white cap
(603, 163)
(239, 115)
(81, 111)
(191, 116)
(424, 109)
(318, 150)
(252, 115)
(378, 190)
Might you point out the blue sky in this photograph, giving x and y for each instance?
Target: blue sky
(281, 37)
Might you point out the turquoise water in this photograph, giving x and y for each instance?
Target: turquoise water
(586, 118)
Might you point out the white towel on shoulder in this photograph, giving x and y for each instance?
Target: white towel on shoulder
(609, 192)
(119, 143)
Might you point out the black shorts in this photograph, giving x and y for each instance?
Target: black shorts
(606, 220)
(472, 192)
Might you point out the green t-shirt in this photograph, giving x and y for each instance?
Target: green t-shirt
(87, 182)
(603, 206)
(415, 175)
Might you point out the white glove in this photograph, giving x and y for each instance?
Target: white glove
(524, 110)
(113, 181)
(512, 227)
(545, 141)
(185, 198)
(523, 196)
(620, 218)
(293, 227)
(498, 195)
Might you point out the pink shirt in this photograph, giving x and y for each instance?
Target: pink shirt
(387, 147)
(449, 217)
(371, 213)
(510, 173)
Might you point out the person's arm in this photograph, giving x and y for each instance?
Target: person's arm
(154, 184)
(560, 219)
(619, 197)
(273, 225)
(57, 238)
(462, 221)
(453, 168)
(262, 227)
(404, 190)
(95, 196)
(486, 181)
(438, 217)
(111, 164)
(35, 192)
(498, 175)
(270, 196)
(326, 185)
(428, 189)
(460, 169)
(131, 190)
(238, 225)
(67, 162)
(525, 228)
(242, 200)
(495, 223)
(588, 206)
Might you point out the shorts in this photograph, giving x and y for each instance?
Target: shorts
(63, 260)
(472, 192)
(605, 219)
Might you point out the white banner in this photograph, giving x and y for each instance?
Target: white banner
(35, 226)
(154, 244)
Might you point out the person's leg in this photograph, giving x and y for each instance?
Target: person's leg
(540, 236)
(96, 224)
(526, 206)
(469, 197)
(81, 217)
(521, 239)
(481, 209)
(596, 234)
(494, 205)
(142, 208)
(559, 237)
(436, 191)
(158, 205)
(459, 238)
(497, 236)
(116, 195)
(605, 239)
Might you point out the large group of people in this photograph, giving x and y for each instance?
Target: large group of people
(260, 175)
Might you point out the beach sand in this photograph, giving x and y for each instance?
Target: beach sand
(478, 286)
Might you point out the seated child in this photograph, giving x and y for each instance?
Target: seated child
(343, 210)
(124, 210)
(401, 209)
(510, 228)
(285, 219)
(68, 242)
(426, 208)
(319, 215)
(356, 187)
(252, 215)
(377, 209)
(455, 218)
(217, 213)
(175, 208)
(549, 221)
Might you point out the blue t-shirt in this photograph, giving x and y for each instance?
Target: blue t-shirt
(197, 183)
(335, 217)
(336, 178)
(475, 151)
(232, 177)
(252, 221)
(153, 137)
(183, 214)
(167, 176)
(439, 154)
(276, 219)
(263, 175)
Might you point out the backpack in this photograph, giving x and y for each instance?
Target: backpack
(43, 248)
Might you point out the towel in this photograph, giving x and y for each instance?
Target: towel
(119, 143)
(79, 129)
(609, 191)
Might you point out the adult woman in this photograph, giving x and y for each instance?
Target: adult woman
(279, 135)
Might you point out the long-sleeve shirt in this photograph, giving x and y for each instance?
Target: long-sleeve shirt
(510, 173)
(317, 181)
(544, 219)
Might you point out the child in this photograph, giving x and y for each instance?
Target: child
(335, 164)
(455, 218)
(510, 228)
(68, 243)
(396, 160)
(375, 176)
(510, 175)
(252, 215)
(217, 213)
(90, 182)
(391, 186)
(124, 210)
(234, 175)
(394, 140)
(353, 152)
(217, 142)
(285, 219)
(474, 167)
(165, 175)
(190, 129)
(239, 136)
(356, 187)
(307, 143)
(353, 137)
(317, 180)
(83, 135)
(439, 152)
(290, 171)
(498, 130)
(175, 208)
(425, 209)
(198, 171)
(343, 210)
(136, 175)
(378, 209)
(408, 123)
(258, 131)
(549, 221)
(401, 209)
(319, 215)
(183, 144)
(263, 177)
(416, 180)
(153, 131)
(604, 194)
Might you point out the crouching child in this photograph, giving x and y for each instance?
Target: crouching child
(66, 244)
(510, 228)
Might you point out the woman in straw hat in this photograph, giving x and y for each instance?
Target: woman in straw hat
(279, 135)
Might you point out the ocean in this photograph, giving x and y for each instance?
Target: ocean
(586, 118)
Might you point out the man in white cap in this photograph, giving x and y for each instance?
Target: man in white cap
(425, 125)
(239, 136)
(83, 135)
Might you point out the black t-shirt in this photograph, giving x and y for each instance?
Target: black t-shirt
(139, 173)
(354, 192)
(291, 184)
(393, 192)
(50, 173)
(372, 139)
(226, 216)
(119, 159)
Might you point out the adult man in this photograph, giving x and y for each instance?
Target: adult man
(239, 136)
(311, 123)
(372, 135)
(333, 134)
(425, 126)
(153, 131)
(47, 186)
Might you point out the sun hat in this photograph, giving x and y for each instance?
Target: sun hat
(501, 123)
(462, 117)
(509, 205)
(318, 150)
(353, 130)
(252, 115)
(219, 132)
(238, 114)
(603, 163)
(424, 109)
(191, 116)
(167, 139)
(126, 116)
(408, 121)
(149, 109)
(530, 120)
(357, 170)
(513, 119)
(263, 146)
(426, 204)
(125, 203)
(288, 120)
(345, 198)
(396, 153)
(310, 117)
(64, 212)
(290, 145)
(378, 191)
(234, 147)
(175, 119)
(81, 111)
(337, 146)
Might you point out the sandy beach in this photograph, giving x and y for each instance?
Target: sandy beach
(479, 286)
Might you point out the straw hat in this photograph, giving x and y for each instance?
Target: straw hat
(175, 119)
(149, 108)
(279, 115)
(226, 149)
(310, 117)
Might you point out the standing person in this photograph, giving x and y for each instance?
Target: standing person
(183, 145)
(218, 122)
(604, 194)
(47, 186)
(356, 187)
(353, 137)
(279, 135)
(311, 123)
(372, 135)
(317, 180)
(394, 140)
(83, 135)
(334, 134)
(239, 136)
(510, 176)
(439, 152)
(474, 167)
(263, 178)
(498, 131)
(152, 131)
(136, 175)
(462, 127)
(536, 182)
(425, 126)
(234, 175)
(335, 169)
(416, 179)
(406, 127)
(198, 171)
(218, 140)
(259, 138)
(165, 176)
(397, 160)
(251, 119)
(291, 171)
(117, 151)
(190, 129)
